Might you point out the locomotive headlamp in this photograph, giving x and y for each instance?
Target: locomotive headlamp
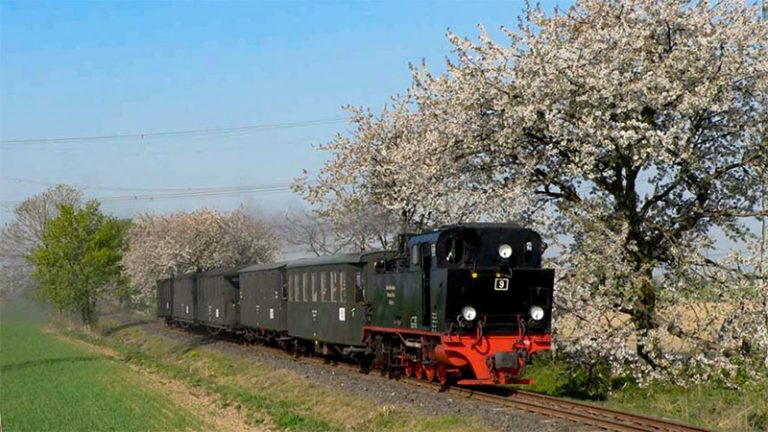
(537, 313)
(469, 313)
(505, 250)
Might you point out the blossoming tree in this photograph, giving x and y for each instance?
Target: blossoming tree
(631, 128)
(160, 246)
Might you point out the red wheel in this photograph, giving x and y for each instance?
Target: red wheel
(419, 370)
(408, 368)
(431, 371)
(442, 374)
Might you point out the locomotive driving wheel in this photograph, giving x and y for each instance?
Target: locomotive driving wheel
(442, 374)
(430, 371)
(408, 368)
(418, 370)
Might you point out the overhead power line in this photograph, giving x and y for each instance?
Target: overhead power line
(194, 194)
(190, 132)
(127, 189)
(189, 193)
(106, 188)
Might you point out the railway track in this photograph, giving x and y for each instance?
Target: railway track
(584, 413)
(578, 412)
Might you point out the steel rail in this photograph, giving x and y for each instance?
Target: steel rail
(584, 413)
(643, 421)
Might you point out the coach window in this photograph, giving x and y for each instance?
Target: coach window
(298, 288)
(342, 287)
(314, 287)
(305, 286)
(359, 287)
(415, 255)
(334, 287)
(324, 287)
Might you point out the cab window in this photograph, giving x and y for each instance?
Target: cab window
(342, 287)
(290, 287)
(359, 287)
(454, 250)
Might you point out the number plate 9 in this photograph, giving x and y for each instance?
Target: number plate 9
(501, 284)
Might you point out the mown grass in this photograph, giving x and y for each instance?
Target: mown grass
(710, 405)
(279, 399)
(49, 384)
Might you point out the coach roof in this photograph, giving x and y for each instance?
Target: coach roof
(262, 267)
(221, 271)
(351, 258)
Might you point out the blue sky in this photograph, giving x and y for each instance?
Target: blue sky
(105, 68)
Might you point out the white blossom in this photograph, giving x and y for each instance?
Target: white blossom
(161, 246)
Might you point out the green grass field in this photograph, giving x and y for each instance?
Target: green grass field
(50, 384)
(71, 380)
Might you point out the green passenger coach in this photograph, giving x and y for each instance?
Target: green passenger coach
(327, 300)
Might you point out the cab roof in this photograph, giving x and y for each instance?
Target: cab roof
(434, 235)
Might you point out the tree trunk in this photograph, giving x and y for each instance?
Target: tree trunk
(88, 313)
(644, 315)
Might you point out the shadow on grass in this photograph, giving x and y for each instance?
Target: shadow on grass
(197, 341)
(51, 361)
(112, 330)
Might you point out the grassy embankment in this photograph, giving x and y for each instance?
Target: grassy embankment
(50, 384)
(62, 382)
(713, 405)
(278, 398)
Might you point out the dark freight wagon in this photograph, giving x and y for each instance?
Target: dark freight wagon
(165, 298)
(218, 298)
(184, 298)
(264, 297)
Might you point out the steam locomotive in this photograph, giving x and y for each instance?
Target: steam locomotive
(466, 304)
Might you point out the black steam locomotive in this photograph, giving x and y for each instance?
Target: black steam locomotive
(466, 303)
